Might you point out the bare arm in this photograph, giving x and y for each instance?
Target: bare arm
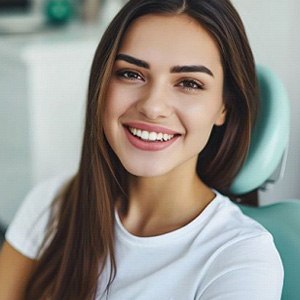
(15, 271)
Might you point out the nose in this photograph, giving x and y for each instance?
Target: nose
(155, 102)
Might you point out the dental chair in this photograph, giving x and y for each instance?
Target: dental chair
(264, 165)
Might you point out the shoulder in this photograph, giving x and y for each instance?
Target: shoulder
(228, 221)
(27, 230)
(244, 262)
(223, 224)
(239, 233)
(247, 269)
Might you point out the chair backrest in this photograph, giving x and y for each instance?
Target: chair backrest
(283, 221)
(268, 143)
(270, 135)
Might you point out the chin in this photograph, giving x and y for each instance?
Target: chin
(146, 170)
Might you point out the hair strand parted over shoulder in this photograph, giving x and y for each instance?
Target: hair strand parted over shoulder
(81, 241)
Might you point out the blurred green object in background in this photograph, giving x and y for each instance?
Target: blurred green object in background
(58, 11)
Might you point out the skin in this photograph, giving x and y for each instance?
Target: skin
(15, 271)
(165, 192)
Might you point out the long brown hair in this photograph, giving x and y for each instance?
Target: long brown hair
(80, 240)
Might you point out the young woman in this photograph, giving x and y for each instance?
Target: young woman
(171, 103)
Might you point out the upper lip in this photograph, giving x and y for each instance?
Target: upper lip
(150, 127)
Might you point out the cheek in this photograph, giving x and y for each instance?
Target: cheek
(200, 128)
(200, 116)
(111, 112)
(118, 100)
(112, 102)
(199, 121)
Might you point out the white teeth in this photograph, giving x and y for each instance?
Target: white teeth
(166, 137)
(151, 136)
(145, 135)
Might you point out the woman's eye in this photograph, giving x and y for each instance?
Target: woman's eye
(129, 75)
(191, 85)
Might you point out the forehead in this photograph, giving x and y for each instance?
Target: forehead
(171, 40)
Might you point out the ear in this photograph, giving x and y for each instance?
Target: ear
(220, 120)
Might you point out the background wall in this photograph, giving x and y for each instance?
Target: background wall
(273, 30)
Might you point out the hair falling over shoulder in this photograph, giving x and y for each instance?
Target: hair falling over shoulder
(80, 241)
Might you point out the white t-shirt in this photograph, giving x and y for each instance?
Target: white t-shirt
(220, 255)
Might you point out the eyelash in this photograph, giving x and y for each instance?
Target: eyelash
(186, 84)
(125, 74)
(189, 85)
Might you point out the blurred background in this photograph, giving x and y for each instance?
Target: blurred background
(46, 49)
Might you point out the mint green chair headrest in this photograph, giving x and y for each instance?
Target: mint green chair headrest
(283, 221)
(270, 135)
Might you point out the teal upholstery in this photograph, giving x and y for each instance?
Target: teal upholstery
(283, 221)
(269, 141)
(270, 136)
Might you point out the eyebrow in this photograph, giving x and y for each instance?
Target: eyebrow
(175, 69)
(132, 60)
(188, 69)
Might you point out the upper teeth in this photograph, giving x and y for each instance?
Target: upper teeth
(150, 136)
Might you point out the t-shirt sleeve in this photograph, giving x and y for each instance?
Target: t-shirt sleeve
(28, 228)
(250, 269)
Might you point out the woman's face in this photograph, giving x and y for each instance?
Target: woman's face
(164, 96)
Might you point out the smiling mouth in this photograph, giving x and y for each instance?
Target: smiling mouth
(152, 137)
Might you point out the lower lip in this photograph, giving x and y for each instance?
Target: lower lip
(148, 146)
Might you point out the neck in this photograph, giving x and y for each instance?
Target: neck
(160, 204)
